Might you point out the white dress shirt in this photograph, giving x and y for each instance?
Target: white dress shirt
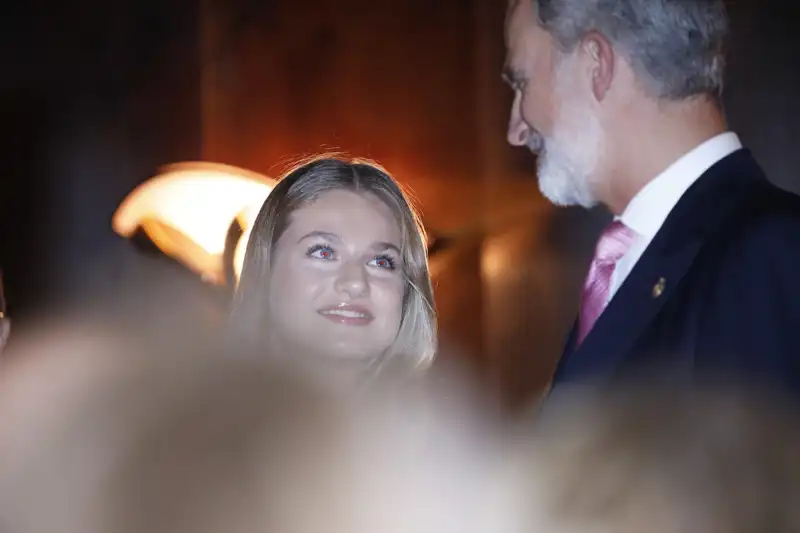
(650, 207)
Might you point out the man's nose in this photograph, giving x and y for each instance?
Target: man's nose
(518, 130)
(352, 280)
(518, 133)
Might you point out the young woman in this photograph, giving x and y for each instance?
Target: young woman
(336, 268)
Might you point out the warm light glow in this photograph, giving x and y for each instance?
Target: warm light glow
(188, 209)
(247, 219)
(495, 257)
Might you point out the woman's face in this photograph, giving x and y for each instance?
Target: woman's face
(337, 278)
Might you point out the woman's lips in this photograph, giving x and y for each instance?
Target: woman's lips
(353, 315)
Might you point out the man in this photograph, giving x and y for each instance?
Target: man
(700, 271)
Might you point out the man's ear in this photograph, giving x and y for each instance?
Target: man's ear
(601, 59)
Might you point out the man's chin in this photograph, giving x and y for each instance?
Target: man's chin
(561, 201)
(561, 191)
(557, 194)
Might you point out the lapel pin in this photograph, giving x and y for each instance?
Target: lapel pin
(658, 288)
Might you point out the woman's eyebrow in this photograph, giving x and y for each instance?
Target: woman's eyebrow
(381, 246)
(324, 234)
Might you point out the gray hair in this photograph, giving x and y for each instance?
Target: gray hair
(674, 46)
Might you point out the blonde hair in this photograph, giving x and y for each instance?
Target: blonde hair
(302, 185)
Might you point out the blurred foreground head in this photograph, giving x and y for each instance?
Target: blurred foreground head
(663, 460)
(100, 435)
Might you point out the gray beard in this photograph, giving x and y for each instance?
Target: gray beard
(568, 159)
(562, 183)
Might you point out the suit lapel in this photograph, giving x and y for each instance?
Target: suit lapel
(640, 298)
(702, 210)
(569, 348)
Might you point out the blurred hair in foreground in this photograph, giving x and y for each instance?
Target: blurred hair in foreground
(109, 427)
(100, 432)
(716, 457)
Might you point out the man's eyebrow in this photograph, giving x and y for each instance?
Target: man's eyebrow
(510, 75)
(323, 234)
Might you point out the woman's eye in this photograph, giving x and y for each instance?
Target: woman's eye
(383, 262)
(320, 252)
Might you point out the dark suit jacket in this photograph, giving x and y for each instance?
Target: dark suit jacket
(727, 261)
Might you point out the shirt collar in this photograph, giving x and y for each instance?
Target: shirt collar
(649, 208)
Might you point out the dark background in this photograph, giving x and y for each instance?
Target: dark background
(95, 96)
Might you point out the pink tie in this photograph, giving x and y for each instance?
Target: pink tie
(613, 243)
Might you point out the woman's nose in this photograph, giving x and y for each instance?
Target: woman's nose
(352, 280)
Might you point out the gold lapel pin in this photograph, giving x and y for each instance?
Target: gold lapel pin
(658, 288)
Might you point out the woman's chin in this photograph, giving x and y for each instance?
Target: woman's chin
(348, 352)
(332, 359)
(337, 361)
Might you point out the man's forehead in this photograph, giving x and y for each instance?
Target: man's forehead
(514, 4)
(520, 23)
(526, 39)
(510, 20)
